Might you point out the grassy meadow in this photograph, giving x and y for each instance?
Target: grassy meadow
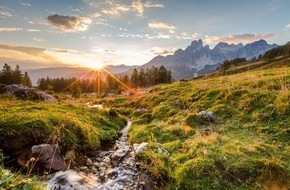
(73, 125)
(247, 146)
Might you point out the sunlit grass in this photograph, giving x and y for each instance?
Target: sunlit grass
(245, 148)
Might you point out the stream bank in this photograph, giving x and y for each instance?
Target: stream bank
(113, 169)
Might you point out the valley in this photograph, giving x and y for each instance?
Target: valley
(242, 144)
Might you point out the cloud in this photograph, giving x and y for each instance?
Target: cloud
(9, 29)
(27, 4)
(69, 23)
(33, 53)
(159, 51)
(161, 25)
(152, 5)
(138, 6)
(5, 13)
(237, 38)
(186, 36)
(287, 26)
(38, 39)
(32, 30)
(116, 10)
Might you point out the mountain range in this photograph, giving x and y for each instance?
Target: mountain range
(194, 60)
(198, 59)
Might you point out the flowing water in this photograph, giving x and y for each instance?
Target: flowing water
(114, 169)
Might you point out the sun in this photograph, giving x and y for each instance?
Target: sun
(97, 65)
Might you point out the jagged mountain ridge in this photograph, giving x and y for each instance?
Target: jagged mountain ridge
(198, 59)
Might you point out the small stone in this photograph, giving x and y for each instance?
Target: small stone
(141, 148)
(206, 152)
(89, 162)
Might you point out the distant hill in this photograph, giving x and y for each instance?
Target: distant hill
(198, 59)
(275, 58)
(69, 72)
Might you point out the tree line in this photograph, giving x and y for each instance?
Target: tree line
(278, 51)
(112, 83)
(9, 76)
(151, 76)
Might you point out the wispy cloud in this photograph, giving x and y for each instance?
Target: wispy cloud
(163, 26)
(152, 5)
(159, 51)
(27, 4)
(9, 29)
(33, 30)
(116, 10)
(237, 38)
(38, 39)
(115, 7)
(69, 23)
(138, 6)
(287, 26)
(5, 13)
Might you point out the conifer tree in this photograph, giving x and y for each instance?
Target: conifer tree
(135, 78)
(26, 80)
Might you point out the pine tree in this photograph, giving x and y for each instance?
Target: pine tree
(26, 80)
(142, 78)
(135, 78)
(162, 75)
(75, 90)
(6, 75)
(42, 84)
(169, 77)
(16, 75)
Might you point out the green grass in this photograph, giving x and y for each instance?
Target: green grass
(247, 147)
(73, 126)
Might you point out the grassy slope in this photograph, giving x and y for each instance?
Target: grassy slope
(248, 146)
(74, 126)
(277, 62)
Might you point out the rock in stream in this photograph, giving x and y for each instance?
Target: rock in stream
(108, 170)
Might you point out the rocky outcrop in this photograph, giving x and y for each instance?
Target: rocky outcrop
(26, 93)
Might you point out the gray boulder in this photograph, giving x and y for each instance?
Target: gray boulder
(49, 156)
(209, 115)
(23, 92)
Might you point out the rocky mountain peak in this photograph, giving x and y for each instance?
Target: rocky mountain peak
(198, 59)
(196, 44)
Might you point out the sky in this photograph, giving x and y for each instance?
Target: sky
(46, 33)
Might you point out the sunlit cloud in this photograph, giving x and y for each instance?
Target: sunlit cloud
(9, 29)
(186, 36)
(159, 51)
(116, 10)
(288, 26)
(152, 5)
(69, 23)
(5, 13)
(96, 15)
(138, 6)
(237, 38)
(33, 30)
(28, 53)
(161, 25)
